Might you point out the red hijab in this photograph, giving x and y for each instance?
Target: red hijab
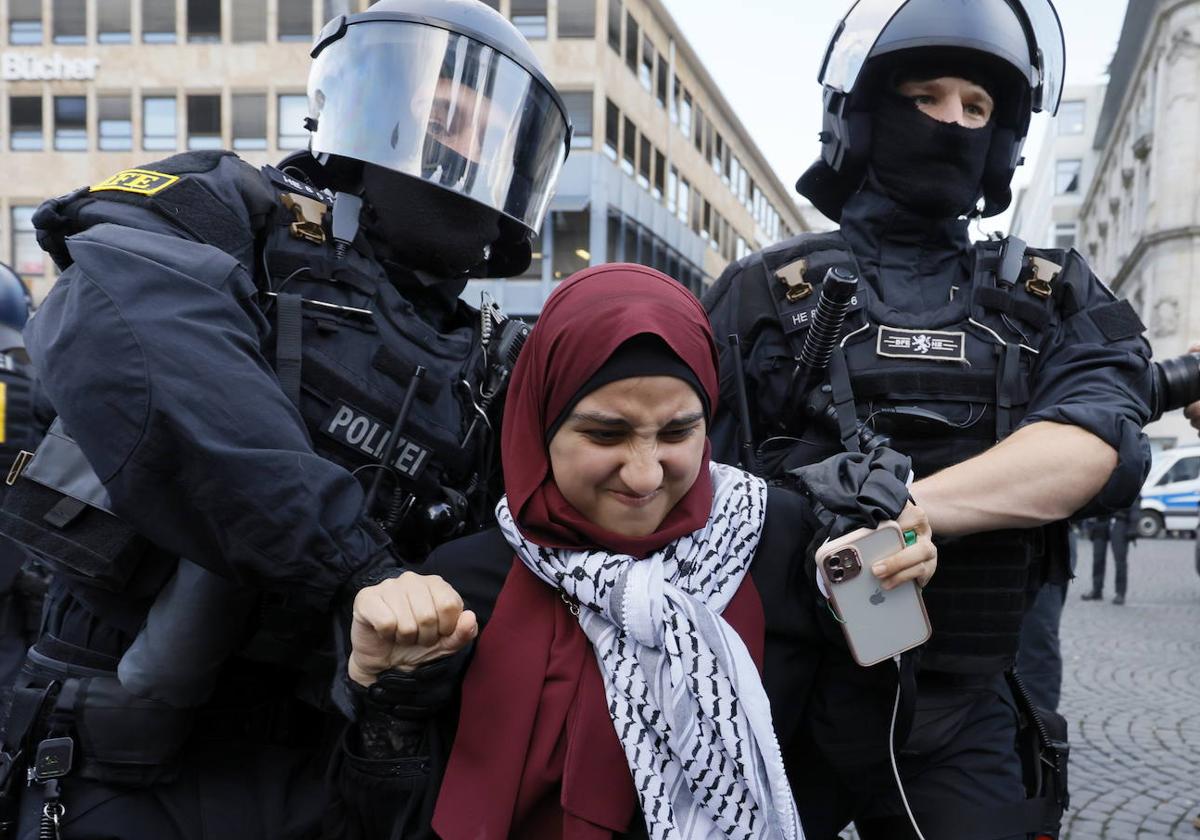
(536, 754)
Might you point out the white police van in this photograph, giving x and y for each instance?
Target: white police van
(1170, 499)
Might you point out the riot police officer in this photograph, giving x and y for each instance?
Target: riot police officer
(267, 394)
(1016, 381)
(22, 583)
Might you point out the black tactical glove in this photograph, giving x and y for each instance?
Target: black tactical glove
(855, 490)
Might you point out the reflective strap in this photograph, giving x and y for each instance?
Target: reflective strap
(289, 328)
(1006, 388)
(843, 400)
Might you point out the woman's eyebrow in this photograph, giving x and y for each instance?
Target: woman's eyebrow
(601, 419)
(687, 419)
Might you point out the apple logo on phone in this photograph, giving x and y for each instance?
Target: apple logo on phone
(877, 597)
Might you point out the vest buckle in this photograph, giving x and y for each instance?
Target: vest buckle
(304, 228)
(792, 276)
(1042, 273)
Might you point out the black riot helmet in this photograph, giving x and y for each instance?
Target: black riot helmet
(1017, 44)
(15, 305)
(449, 96)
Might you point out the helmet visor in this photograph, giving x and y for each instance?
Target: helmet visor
(439, 106)
(854, 41)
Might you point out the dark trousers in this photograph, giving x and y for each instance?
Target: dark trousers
(1118, 536)
(1039, 660)
(959, 766)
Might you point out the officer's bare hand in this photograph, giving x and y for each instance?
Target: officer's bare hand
(916, 562)
(406, 622)
(1192, 412)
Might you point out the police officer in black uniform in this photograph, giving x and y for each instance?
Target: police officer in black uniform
(22, 583)
(1016, 381)
(1116, 530)
(267, 394)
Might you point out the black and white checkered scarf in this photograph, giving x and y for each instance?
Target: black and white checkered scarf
(684, 695)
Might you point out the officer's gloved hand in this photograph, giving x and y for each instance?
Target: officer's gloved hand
(856, 490)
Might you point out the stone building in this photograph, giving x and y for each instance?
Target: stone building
(1046, 211)
(662, 171)
(1140, 219)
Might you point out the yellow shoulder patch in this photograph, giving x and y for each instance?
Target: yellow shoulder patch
(140, 181)
(3, 412)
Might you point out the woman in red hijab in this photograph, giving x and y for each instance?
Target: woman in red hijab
(646, 629)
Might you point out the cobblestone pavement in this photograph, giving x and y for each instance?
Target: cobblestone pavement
(1131, 691)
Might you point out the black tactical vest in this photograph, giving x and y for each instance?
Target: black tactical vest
(943, 385)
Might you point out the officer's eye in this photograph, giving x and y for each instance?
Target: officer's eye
(924, 99)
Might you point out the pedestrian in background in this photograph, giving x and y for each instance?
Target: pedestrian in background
(1116, 530)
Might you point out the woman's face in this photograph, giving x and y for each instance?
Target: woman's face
(629, 452)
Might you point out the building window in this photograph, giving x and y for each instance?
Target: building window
(1071, 117)
(249, 122)
(293, 111)
(614, 25)
(716, 150)
(576, 18)
(25, 124)
(529, 16)
(249, 21)
(158, 123)
(660, 166)
(572, 243)
(612, 129)
(295, 20)
(1064, 235)
(685, 114)
(663, 74)
(115, 123)
(629, 147)
(25, 22)
(204, 21)
(685, 192)
(70, 123)
(644, 162)
(158, 22)
(673, 190)
(631, 43)
(204, 121)
(579, 109)
(26, 255)
(698, 133)
(112, 22)
(646, 73)
(1066, 176)
(70, 21)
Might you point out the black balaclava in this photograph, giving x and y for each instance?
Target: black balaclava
(429, 228)
(933, 168)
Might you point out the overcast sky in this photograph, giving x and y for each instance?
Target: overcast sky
(765, 57)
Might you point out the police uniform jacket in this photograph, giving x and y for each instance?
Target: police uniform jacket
(947, 348)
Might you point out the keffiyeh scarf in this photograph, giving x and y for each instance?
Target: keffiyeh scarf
(683, 693)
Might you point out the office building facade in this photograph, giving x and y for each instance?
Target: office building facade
(661, 171)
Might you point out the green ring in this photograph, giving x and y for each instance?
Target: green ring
(910, 537)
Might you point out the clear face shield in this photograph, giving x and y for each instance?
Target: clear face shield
(854, 43)
(439, 106)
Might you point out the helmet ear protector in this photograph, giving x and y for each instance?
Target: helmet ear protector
(1017, 43)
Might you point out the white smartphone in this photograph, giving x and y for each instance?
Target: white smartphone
(878, 623)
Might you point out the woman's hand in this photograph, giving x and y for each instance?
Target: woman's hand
(406, 622)
(916, 562)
